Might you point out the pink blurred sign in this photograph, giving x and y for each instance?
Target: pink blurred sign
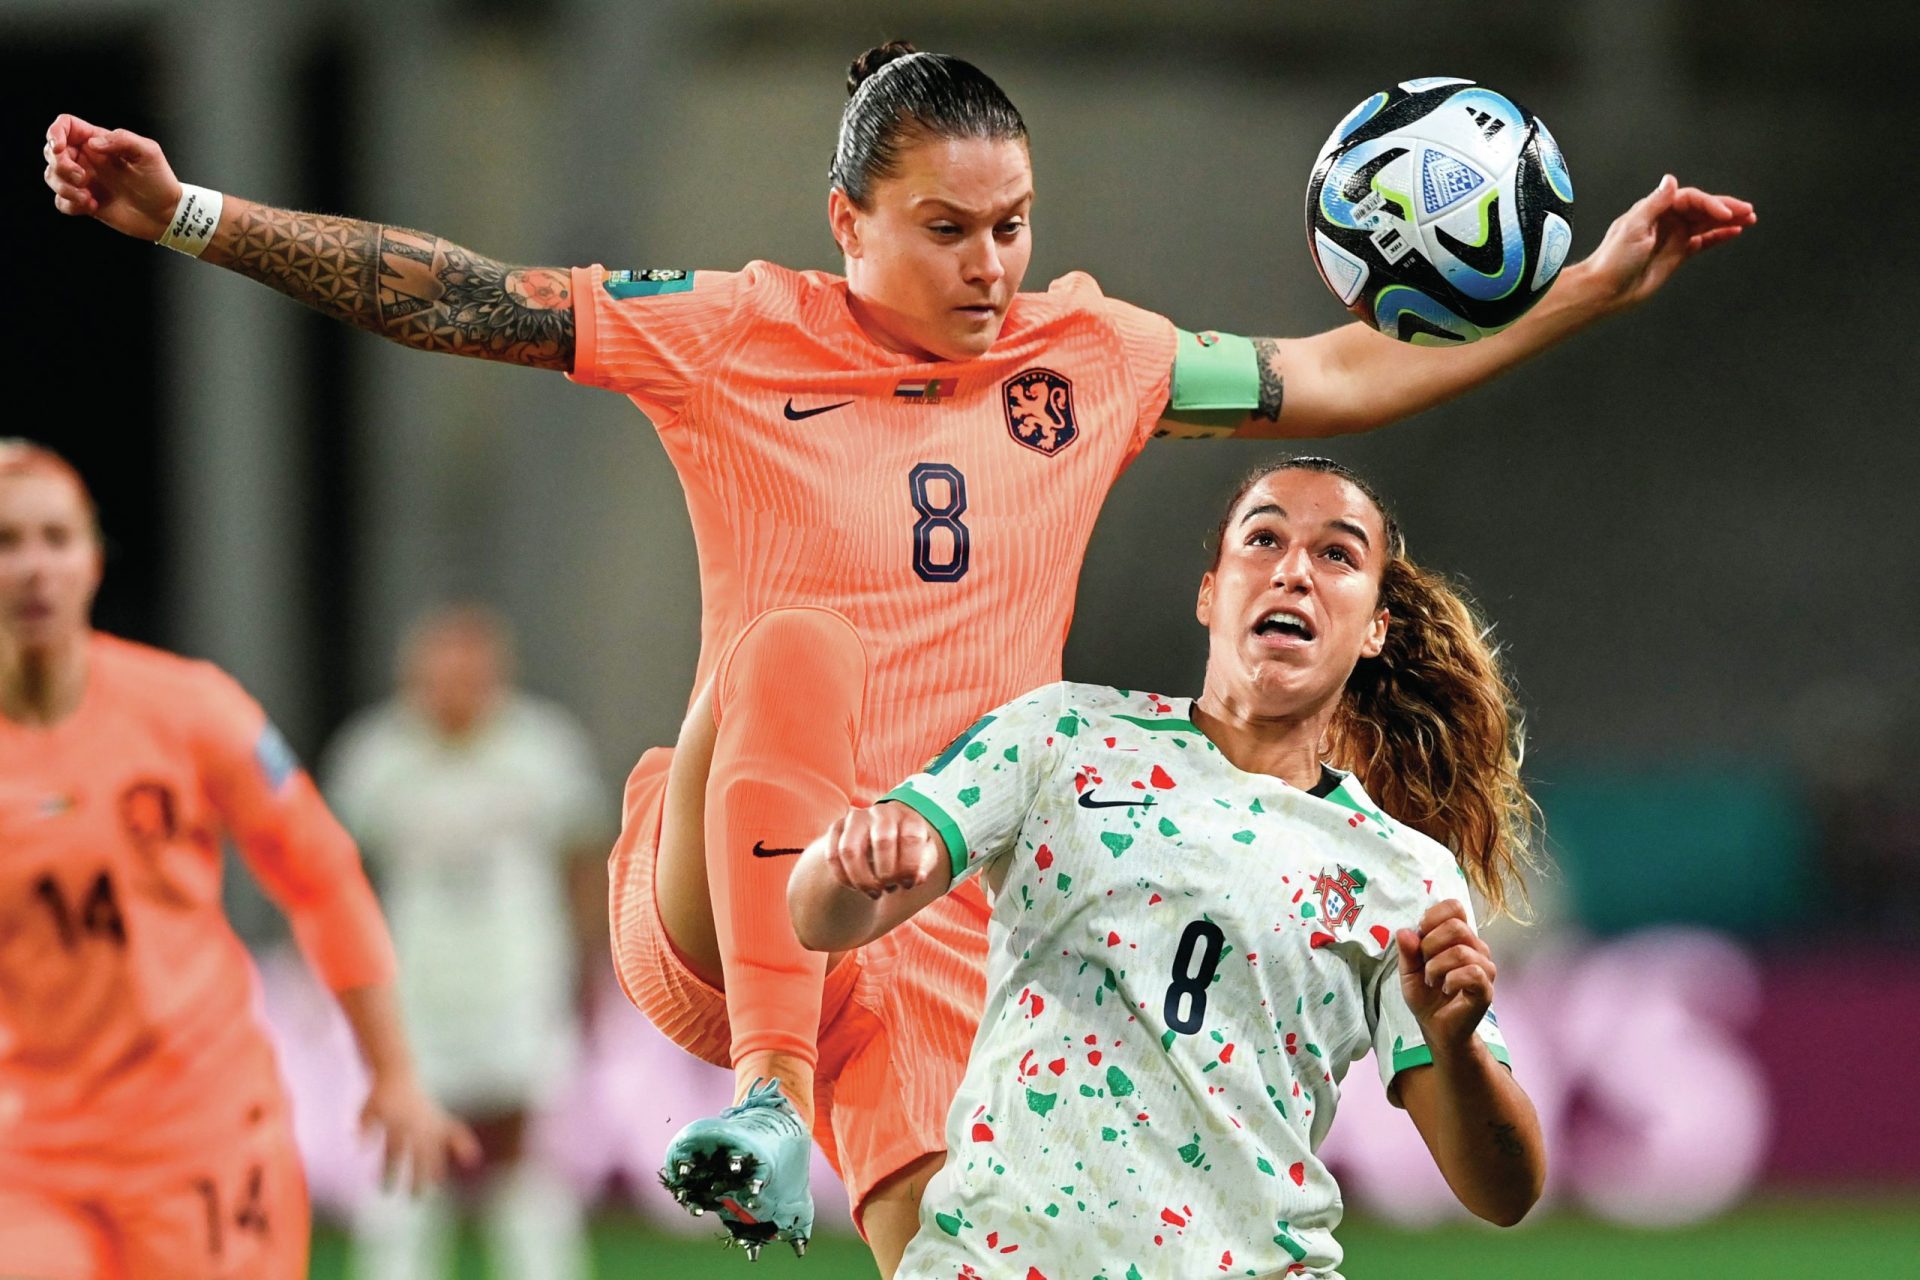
(1671, 1069)
(1838, 1036)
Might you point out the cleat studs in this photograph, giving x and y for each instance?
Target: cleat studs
(799, 1244)
(697, 1211)
(734, 1165)
(754, 1187)
(685, 1168)
(753, 1251)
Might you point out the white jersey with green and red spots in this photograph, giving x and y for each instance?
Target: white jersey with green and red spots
(1184, 960)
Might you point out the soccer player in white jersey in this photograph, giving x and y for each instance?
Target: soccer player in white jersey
(484, 818)
(1199, 923)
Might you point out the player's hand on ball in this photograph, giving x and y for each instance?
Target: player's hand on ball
(113, 175)
(417, 1135)
(1446, 975)
(882, 849)
(1646, 244)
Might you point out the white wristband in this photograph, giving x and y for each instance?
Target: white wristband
(191, 228)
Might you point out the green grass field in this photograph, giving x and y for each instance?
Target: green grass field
(1874, 1236)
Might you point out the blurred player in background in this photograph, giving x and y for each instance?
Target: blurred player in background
(1199, 924)
(892, 478)
(482, 818)
(143, 1129)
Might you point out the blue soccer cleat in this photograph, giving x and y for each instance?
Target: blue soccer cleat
(749, 1166)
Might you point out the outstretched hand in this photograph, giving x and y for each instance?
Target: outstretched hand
(112, 175)
(1646, 244)
(1446, 975)
(418, 1137)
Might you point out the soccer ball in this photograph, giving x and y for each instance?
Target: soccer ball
(1437, 211)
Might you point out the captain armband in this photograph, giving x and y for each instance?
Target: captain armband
(1216, 384)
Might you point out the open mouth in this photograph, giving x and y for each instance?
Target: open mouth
(1281, 624)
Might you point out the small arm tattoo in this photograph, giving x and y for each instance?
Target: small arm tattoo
(1272, 385)
(1506, 1139)
(416, 289)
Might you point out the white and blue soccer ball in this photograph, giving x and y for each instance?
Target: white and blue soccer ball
(1438, 211)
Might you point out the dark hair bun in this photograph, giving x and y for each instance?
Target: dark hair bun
(874, 59)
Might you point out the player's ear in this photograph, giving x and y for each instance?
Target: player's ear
(1376, 635)
(843, 217)
(1203, 607)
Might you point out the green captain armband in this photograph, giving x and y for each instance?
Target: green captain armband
(1216, 384)
(1215, 371)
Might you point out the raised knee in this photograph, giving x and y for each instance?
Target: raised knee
(807, 649)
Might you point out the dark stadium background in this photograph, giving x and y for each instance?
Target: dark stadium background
(1695, 526)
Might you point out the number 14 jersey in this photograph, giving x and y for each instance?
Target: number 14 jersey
(1184, 959)
(943, 508)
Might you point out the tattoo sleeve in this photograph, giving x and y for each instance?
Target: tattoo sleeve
(1272, 384)
(416, 289)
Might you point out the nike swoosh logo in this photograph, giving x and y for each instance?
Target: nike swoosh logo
(794, 415)
(1088, 802)
(761, 851)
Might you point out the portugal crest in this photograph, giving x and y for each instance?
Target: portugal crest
(1340, 896)
(1039, 405)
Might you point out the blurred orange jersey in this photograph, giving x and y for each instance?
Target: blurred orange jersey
(126, 1000)
(942, 508)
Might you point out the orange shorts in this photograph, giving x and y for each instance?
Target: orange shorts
(896, 1022)
(232, 1205)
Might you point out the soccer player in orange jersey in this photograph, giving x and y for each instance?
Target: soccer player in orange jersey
(892, 476)
(143, 1130)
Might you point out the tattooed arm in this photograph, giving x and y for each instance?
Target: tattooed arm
(416, 289)
(1356, 379)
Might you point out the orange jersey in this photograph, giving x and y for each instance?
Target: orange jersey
(126, 1000)
(942, 508)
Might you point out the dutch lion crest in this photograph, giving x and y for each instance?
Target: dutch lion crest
(1039, 405)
